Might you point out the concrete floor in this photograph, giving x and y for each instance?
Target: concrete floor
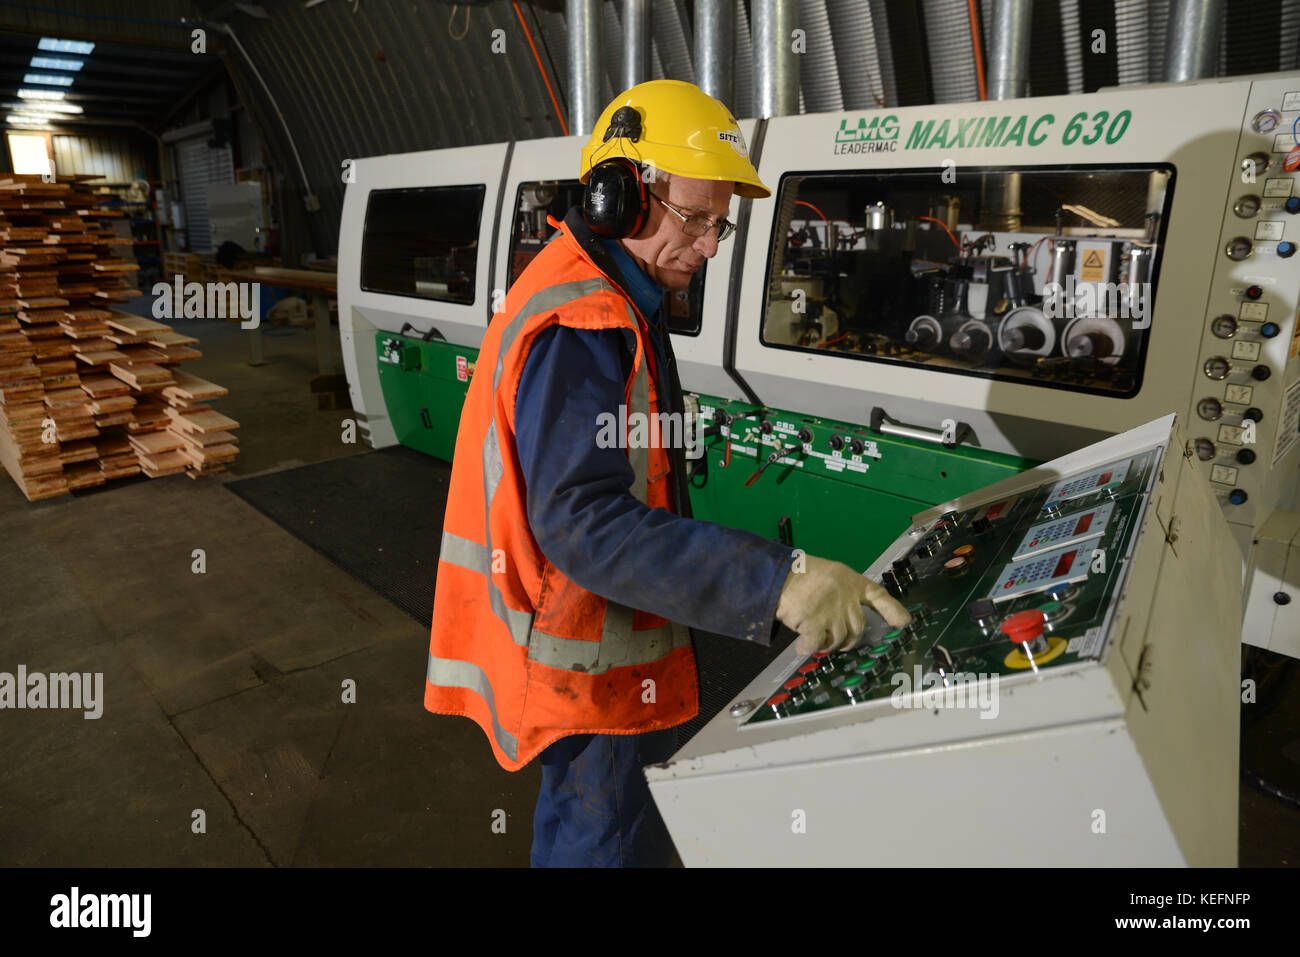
(223, 690)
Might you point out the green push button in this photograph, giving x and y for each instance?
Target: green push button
(1050, 608)
(852, 680)
(879, 651)
(894, 635)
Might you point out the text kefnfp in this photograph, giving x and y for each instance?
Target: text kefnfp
(213, 300)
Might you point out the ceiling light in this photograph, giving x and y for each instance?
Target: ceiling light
(28, 122)
(48, 79)
(46, 106)
(27, 94)
(65, 46)
(56, 63)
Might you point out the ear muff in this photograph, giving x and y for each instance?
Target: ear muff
(617, 201)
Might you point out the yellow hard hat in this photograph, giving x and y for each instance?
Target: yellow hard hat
(684, 131)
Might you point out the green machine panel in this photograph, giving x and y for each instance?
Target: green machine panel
(424, 385)
(834, 489)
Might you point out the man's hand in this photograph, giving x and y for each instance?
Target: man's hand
(823, 604)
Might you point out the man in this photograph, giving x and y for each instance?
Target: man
(569, 568)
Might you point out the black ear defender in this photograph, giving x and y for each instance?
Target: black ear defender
(617, 200)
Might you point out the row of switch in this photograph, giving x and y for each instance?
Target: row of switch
(852, 672)
(836, 442)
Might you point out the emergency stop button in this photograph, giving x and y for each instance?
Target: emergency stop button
(1024, 626)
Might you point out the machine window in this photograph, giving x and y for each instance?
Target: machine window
(1042, 275)
(423, 242)
(536, 200)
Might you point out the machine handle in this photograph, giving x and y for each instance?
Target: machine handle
(878, 424)
(433, 332)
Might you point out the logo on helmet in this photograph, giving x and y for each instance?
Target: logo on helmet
(737, 141)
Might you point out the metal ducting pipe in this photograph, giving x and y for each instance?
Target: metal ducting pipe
(636, 42)
(1008, 77)
(776, 65)
(583, 18)
(1192, 44)
(715, 48)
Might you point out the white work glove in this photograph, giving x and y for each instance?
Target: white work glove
(823, 604)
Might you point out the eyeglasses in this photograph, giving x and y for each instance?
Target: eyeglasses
(696, 225)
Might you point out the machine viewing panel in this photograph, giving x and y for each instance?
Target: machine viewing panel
(1001, 589)
(1042, 275)
(541, 198)
(423, 242)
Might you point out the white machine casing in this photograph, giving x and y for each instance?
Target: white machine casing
(1129, 760)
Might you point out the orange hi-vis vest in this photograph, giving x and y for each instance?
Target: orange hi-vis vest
(515, 644)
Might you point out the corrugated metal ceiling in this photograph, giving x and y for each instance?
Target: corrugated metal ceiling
(366, 77)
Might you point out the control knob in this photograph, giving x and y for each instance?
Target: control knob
(981, 612)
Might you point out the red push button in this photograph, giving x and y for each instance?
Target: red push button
(793, 683)
(778, 702)
(1024, 625)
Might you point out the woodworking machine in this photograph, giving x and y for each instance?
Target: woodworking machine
(935, 298)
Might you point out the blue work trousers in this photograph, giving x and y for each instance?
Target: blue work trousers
(595, 809)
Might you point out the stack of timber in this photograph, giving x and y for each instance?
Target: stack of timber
(89, 393)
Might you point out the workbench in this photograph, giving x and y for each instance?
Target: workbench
(318, 288)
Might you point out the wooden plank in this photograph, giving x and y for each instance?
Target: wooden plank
(172, 339)
(137, 325)
(101, 386)
(141, 374)
(206, 421)
(155, 443)
(193, 388)
(101, 358)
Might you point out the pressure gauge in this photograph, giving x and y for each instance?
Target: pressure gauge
(1209, 409)
(1225, 327)
(1238, 248)
(1265, 121)
(1247, 206)
(1217, 367)
(1204, 450)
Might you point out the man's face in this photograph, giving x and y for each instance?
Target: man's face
(661, 248)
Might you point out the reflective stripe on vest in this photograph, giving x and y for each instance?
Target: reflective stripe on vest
(453, 673)
(520, 623)
(614, 650)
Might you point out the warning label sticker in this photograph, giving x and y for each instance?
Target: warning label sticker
(1094, 266)
(1087, 646)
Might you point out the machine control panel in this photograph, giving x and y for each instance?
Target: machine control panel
(1001, 588)
(1247, 403)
